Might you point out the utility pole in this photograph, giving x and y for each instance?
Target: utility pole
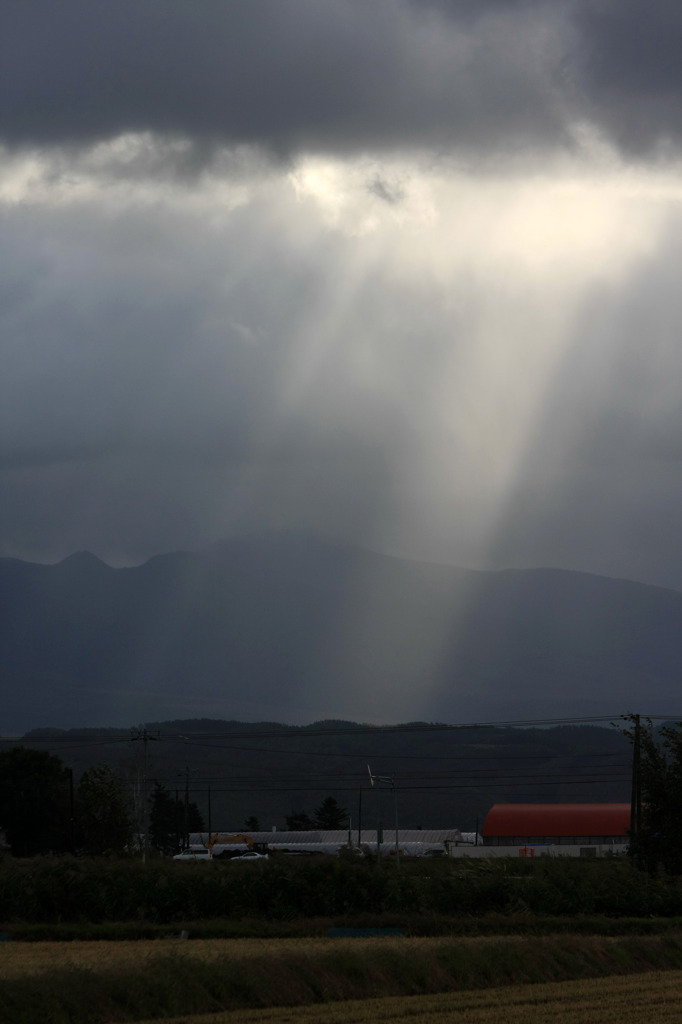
(636, 794)
(185, 837)
(177, 821)
(145, 736)
(379, 827)
(389, 780)
(72, 816)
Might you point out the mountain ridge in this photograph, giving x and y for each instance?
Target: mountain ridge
(292, 627)
(82, 556)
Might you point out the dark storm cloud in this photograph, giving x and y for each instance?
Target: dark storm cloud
(631, 68)
(338, 75)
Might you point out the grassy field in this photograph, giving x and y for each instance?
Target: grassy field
(639, 999)
(501, 941)
(160, 980)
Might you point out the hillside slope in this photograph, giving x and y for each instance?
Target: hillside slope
(292, 629)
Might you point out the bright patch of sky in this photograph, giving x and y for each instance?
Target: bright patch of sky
(403, 275)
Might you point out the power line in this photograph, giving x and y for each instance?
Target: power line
(403, 757)
(288, 732)
(497, 778)
(404, 789)
(604, 770)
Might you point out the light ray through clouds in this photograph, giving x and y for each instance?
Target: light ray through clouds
(402, 273)
(509, 266)
(294, 314)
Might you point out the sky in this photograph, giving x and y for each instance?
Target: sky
(401, 272)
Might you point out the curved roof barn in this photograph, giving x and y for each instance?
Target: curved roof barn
(556, 820)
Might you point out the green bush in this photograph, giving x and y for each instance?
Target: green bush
(62, 890)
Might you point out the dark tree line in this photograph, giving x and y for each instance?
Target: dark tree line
(35, 802)
(41, 811)
(656, 840)
(171, 820)
(329, 816)
(103, 813)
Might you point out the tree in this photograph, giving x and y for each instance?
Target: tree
(34, 802)
(299, 821)
(167, 820)
(330, 816)
(657, 795)
(104, 813)
(252, 824)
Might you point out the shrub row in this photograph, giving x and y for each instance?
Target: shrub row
(71, 890)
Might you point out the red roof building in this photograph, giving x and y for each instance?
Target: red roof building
(577, 824)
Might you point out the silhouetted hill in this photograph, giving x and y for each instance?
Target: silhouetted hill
(285, 627)
(445, 777)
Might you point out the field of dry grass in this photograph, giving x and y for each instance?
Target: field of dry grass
(19, 959)
(479, 979)
(34, 958)
(653, 998)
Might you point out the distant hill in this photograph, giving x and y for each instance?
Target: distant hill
(445, 777)
(295, 629)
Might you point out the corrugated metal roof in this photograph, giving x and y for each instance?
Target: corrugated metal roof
(340, 836)
(473, 838)
(409, 849)
(557, 820)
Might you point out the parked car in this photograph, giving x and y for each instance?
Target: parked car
(194, 853)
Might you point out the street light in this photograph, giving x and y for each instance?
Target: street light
(389, 780)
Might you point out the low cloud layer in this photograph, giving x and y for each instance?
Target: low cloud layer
(339, 76)
(344, 76)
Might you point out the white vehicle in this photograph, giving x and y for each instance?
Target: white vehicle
(252, 855)
(194, 853)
